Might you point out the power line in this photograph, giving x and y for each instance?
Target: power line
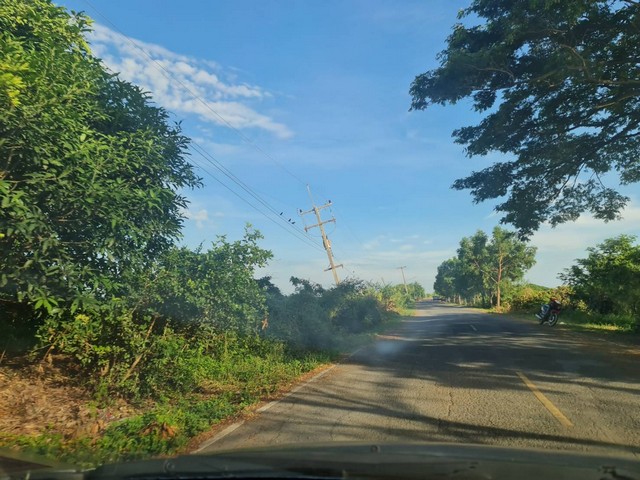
(170, 76)
(346, 224)
(300, 234)
(229, 174)
(294, 232)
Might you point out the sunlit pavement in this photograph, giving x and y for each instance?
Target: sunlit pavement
(452, 374)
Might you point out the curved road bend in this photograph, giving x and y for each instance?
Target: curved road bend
(451, 374)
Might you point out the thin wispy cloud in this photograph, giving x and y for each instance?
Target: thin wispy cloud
(185, 85)
(200, 217)
(587, 231)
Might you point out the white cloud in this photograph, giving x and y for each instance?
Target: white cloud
(200, 217)
(586, 231)
(559, 247)
(184, 84)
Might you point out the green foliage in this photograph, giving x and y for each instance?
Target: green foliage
(610, 322)
(165, 335)
(89, 171)
(484, 267)
(559, 83)
(90, 212)
(526, 298)
(315, 318)
(608, 280)
(214, 287)
(450, 282)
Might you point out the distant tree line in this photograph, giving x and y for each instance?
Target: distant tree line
(483, 267)
(602, 288)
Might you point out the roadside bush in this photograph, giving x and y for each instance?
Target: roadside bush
(299, 320)
(358, 314)
(529, 297)
(392, 297)
(110, 340)
(318, 319)
(526, 298)
(610, 321)
(174, 366)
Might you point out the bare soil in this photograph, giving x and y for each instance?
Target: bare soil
(46, 397)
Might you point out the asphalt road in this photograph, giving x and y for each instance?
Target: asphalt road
(452, 374)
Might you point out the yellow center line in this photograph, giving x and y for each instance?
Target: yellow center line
(545, 401)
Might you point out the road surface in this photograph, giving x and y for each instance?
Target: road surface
(451, 374)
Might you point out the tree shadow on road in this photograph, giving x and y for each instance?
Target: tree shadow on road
(472, 354)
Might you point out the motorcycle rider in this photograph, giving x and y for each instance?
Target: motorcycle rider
(546, 309)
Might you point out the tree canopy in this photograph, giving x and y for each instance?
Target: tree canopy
(559, 81)
(89, 169)
(483, 266)
(608, 280)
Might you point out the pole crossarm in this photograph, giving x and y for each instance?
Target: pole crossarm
(326, 243)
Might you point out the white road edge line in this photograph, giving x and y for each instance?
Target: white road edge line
(219, 436)
(231, 428)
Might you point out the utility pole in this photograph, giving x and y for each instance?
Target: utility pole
(326, 243)
(403, 279)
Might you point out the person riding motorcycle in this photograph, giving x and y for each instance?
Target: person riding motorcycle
(546, 309)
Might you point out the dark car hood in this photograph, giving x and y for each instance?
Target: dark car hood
(373, 461)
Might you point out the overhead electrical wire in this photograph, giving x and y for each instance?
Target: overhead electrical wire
(291, 229)
(293, 232)
(195, 96)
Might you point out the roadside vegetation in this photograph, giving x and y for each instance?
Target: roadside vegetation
(600, 292)
(483, 268)
(563, 116)
(158, 342)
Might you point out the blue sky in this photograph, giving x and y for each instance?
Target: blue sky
(289, 93)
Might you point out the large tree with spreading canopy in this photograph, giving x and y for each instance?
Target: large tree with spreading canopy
(559, 83)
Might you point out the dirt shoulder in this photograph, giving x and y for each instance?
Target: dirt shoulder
(38, 398)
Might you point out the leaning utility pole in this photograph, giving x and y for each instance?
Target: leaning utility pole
(325, 241)
(403, 279)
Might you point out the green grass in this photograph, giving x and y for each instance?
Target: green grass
(586, 322)
(581, 321)
(239, 381)
(168, 427)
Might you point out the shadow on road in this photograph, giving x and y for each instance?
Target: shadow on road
(448, 374)
(464, 351)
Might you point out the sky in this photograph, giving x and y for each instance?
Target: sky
(283, 94)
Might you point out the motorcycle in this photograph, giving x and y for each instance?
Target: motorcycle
(549, 314)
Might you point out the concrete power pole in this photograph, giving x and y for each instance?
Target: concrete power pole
(325, 241)
(403, 279)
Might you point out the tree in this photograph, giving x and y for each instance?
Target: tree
(474, 261)
(214, 287)
(559, 82)
(484, 266)
(447, 279)
(509, 259)
(89, 168)
(608, 280)
(416, 291)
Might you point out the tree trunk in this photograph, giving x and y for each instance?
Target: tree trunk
(499, 282)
